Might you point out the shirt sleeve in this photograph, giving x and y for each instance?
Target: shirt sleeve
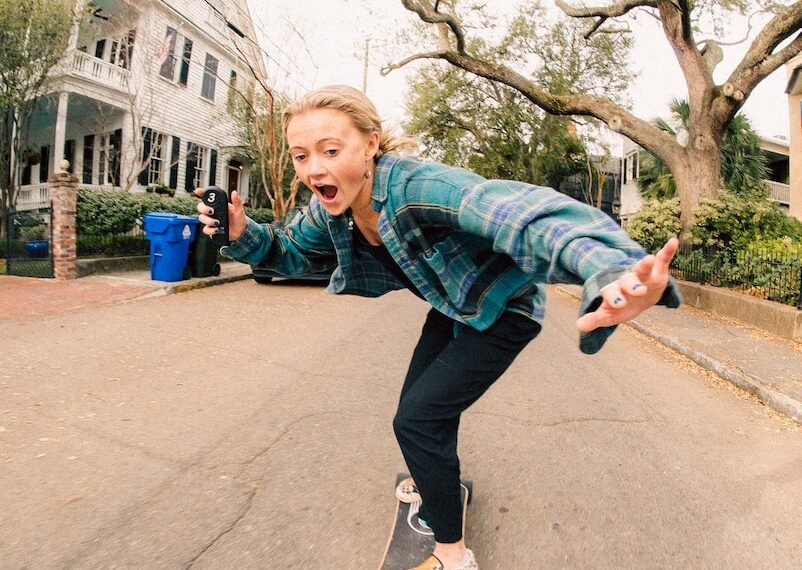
(303, 246)
(555, 239)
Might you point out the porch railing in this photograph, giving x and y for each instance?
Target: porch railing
(89, 67)
(779, 192)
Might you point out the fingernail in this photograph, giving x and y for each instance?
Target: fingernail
(637, 286)
(217, 223)
(617, 301)
(210, 211)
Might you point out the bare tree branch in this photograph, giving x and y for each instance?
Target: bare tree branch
(429, 14)
(611, 11)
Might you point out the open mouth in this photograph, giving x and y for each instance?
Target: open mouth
(327, 191)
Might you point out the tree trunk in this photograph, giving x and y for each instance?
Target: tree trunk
(699, 178)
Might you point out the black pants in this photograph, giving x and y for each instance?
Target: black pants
(445, 377)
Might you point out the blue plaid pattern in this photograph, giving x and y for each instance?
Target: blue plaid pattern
(473, 247)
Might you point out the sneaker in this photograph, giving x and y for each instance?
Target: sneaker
(433, 563)
(407, 492)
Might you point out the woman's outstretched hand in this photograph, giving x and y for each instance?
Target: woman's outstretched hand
(237, 222)
(633, 292)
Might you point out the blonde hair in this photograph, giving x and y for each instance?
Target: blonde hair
(357, 106)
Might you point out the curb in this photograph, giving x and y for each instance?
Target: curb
(775, 400)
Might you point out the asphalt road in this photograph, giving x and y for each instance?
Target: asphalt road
(248, 426)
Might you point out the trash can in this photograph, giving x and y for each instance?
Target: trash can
(203, 256)
(169, 236)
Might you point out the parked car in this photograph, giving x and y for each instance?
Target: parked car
(264, 275)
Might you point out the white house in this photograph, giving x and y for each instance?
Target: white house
(776, 151)
(143, 96)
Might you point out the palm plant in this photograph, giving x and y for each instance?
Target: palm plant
(743, 166)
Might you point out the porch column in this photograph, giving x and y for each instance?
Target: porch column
(794, 91)
(64, 195)
(128, 153)
(61, 130)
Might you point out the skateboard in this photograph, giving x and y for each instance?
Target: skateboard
(410, 543)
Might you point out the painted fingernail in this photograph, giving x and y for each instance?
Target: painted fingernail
(210, 211)
(217, 222)
(617, 301)
(637, 286)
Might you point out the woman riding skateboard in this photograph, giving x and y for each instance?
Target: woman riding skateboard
(478, 251)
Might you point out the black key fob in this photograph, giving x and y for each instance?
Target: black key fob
(217, 199)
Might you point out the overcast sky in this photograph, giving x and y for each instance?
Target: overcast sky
(317, 42)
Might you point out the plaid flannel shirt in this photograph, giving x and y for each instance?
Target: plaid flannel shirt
(473, 247)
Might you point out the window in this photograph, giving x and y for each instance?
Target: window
(183, 75)
(166, 54)
(624, 178)
(209, 77)
(156, 162)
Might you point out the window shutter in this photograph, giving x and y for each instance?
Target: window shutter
(189, 175)
(44, 163)
(116, 144)
(143, 174)
(183, 75)
(174, 162)
(69, 154)
(89, 153)
(213, 168)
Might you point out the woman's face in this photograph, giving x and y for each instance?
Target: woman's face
(331, 156)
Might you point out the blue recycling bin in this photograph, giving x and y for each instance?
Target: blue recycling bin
(169, 236)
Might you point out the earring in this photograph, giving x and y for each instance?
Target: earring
(367, 170)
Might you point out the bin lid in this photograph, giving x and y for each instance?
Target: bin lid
(158, 222)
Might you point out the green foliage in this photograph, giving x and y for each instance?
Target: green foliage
(495, 130)
(34, 36)
(743, 165)
(655, 223)
(32, 233)
(104, 217)
(735, 221)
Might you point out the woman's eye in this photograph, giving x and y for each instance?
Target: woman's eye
(331, 151)
(299, 157)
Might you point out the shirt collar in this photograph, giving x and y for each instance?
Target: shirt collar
(381, 179)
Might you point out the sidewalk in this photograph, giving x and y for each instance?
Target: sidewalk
(767, 366)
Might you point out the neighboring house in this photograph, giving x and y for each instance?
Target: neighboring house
(581, 187)
(142, 99)
(776, 151)
(794, 92)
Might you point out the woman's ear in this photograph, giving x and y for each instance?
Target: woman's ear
(373, 144)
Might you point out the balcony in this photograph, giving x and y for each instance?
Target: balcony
(779, 192)
(80, 64)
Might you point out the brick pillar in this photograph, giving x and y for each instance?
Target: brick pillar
(64, 195)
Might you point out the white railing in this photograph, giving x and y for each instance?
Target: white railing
(779, 192)
(33, 196)
(94, 69)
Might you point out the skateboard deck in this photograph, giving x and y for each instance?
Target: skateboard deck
(410, 542)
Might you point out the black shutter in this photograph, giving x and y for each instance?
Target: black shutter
(69, 154)
(116, 144)
(213, 168)
(100, 46)
(25, 174)
(183, 75)
(189, 173)
(44, 163)
(143, 174)
(89, 153)
(174, 162)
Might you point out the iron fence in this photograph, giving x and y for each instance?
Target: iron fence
(132, 242)
(758, 272)
(28, 245)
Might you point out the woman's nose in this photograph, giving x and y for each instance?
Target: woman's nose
(316, 166)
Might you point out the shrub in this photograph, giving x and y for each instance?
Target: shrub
(735, 221)
(655, 223)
